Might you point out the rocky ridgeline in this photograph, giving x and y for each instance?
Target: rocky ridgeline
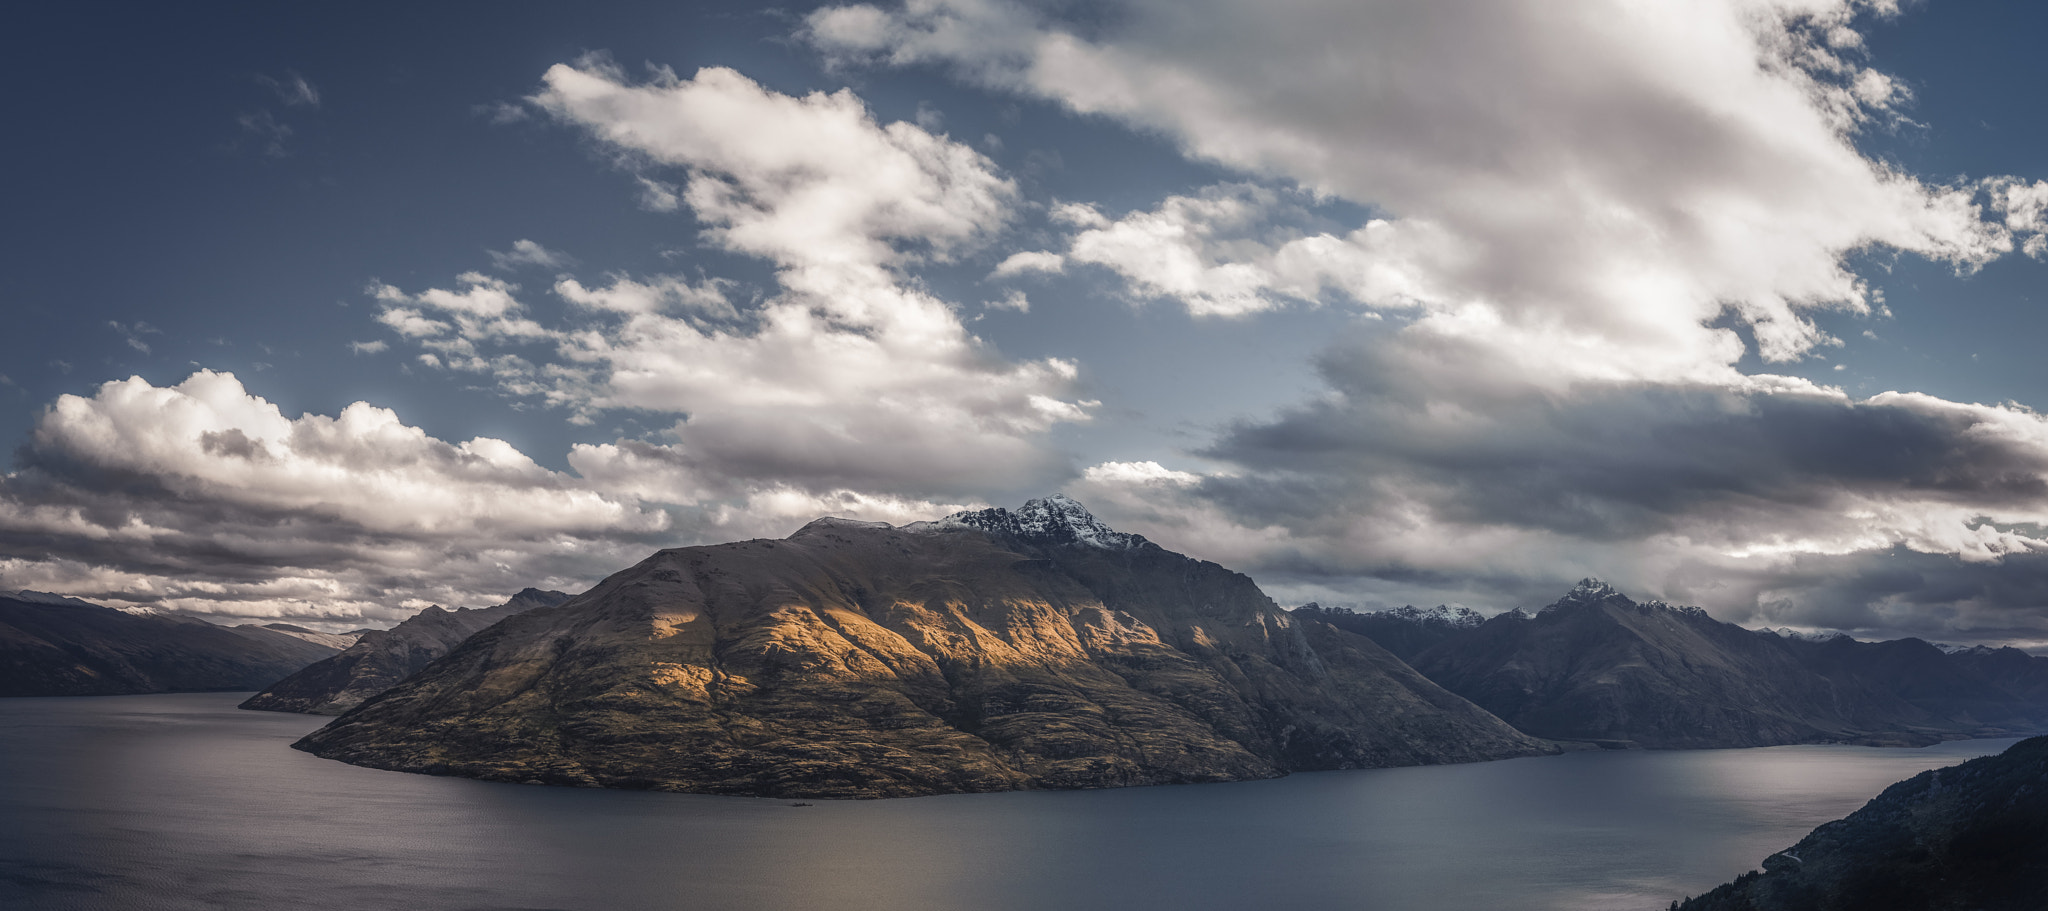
(52, 645)
(1597, 666)
(1405, 631)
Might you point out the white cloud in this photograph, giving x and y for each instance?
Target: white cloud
(377, 346)
(2026, 211)
(1029, 261)
(1014, 301)
(482, 308)
(293, 89)
(1569, 204)
(851, 378)
(204, 496)
(1604, 174)
(812, 183)
(132, 333)
(662, 293)
(528, 253)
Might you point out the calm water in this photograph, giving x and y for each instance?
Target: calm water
(149, 802)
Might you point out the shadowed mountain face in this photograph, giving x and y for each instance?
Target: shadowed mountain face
(989, 651)
(381, 658)
(66, 647)
(1597, 666)
(1972, 836)
(1405, 631)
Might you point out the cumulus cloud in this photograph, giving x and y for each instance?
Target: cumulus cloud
(1584, 215)
(1029, 261)
(1015, 301)
(203, 496)
(1601, 170)
(852, 377)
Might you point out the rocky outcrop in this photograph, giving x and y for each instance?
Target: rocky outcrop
(988, 651)
(379, 659)
(1597, 666)
(55, 646)
(1972, 837)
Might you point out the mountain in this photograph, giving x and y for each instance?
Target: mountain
(1405, 631)
(1597, 666)
(54, 646)
(1972, 836)
(991, 650)
(379, 659)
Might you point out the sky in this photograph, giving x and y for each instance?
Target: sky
(327, 314)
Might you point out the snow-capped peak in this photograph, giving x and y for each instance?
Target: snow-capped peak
(1953, 649)
(1056, 519)
(1440, 615)
(1588, 591)
(1591, 589)
(1786, 632)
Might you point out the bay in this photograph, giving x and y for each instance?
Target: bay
(184, 802)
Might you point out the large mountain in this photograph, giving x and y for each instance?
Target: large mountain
(56, 646)
(987, 651)
(1972, 837)
(1597, 666)
(381, 658)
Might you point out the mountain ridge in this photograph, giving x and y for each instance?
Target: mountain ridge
(992, 650)
(59, 646)
(1597, 666)
(380, 659)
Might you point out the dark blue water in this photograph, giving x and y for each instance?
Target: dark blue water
(173, 802)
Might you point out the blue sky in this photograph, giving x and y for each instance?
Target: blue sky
(1381, 304)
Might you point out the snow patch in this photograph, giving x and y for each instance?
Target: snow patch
(1057, 519)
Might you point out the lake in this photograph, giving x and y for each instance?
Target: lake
(183, 801)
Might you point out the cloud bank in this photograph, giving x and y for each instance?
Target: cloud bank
(1581, 218)
(202, 496)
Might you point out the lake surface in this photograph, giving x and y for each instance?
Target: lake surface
(183, 801)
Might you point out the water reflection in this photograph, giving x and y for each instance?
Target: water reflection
(183, 802)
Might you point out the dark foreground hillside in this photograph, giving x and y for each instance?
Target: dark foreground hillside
(1972, 837)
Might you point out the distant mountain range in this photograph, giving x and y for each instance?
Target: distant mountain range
(1599, 667)
(1405, 631)
(56, 646)
(1972, 836)
(381, 658)
(991, 650)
